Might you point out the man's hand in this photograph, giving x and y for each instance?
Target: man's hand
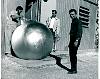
(76, 43)
(57, 37)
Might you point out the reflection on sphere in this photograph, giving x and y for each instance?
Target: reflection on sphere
(32, 40)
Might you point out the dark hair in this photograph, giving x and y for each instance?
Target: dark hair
(54, 11)
(19, 8)
(72, 10)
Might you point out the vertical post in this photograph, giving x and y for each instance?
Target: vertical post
(38, 10)
(5, 22)
(32, 11)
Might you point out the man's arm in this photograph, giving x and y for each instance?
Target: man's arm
(58, 26)
(79, 31)
(47, 22)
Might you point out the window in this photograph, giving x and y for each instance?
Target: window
(84, 16)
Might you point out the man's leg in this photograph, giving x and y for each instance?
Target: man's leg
(73, 58)
(53, 33)
(54, 44)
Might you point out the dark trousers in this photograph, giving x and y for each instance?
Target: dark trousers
(73, 52)
(53, 33)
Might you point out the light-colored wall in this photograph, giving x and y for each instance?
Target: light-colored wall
(46, 9)
(88, 39)
(85, 41)
(2, 28)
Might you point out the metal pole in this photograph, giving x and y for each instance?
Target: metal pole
(32, 11)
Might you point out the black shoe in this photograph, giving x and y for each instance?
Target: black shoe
(58, 60)
(72, 72)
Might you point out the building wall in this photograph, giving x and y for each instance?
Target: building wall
(46, 9)
(2, 28)
(88, 39)
(93, 11)
(85, 42)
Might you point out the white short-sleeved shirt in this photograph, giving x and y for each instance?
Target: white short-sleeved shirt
(52, 23)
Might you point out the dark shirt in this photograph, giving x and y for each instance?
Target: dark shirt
(76, 28)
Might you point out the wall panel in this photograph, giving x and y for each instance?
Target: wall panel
(89, 33)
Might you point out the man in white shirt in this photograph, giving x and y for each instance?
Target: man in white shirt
(53, 24)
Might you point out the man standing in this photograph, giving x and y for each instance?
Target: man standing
(13, 21)
(53, 24)
(75, 38)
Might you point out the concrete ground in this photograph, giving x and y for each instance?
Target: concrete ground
(15, 68)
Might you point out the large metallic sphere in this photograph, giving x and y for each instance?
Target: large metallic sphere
(32, 40)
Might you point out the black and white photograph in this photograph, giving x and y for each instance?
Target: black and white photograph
(49, 39)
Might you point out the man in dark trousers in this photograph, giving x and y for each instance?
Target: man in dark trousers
(75, 38)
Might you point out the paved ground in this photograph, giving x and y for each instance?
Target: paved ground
(14, 68)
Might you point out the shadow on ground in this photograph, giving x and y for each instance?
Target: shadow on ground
(58, 62)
